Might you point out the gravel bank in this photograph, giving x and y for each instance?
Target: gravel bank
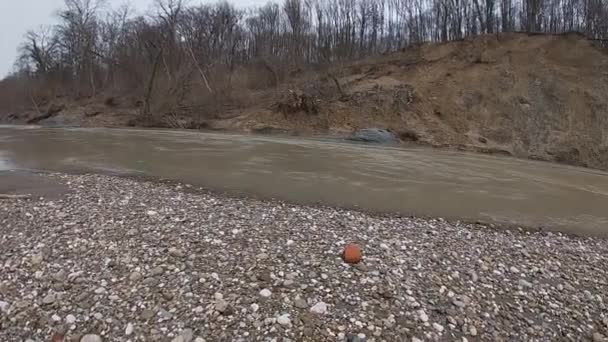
(120, 260)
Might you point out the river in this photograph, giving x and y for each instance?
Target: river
(409, 180)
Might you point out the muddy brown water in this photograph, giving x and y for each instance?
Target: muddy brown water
(410, 181)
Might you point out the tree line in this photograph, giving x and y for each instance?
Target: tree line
(178, 46)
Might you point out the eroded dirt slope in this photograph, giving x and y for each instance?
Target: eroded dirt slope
(536, 97)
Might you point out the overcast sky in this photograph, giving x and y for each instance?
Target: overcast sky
(19, 16)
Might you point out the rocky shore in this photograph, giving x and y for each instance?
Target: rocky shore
(123, 260)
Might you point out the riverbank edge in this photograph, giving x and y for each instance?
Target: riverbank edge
(477, 224)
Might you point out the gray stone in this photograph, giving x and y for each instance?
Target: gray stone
(60, 276)
(320, 308)
(284, 320)
(300, 303)
(374, 135)
(362, 267)
(524, 283)
(423, 316)
(135, 276)
(222, 307)
(4, 306)
(156, 271)
(473, 275)
(91, 338)
(597, 337)
(176, 252)
(49, 299)
(186, 335)
(37, 258)
(129, 329)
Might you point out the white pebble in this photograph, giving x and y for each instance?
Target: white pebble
(284, 320)
(265, 293)
(129, 329)
(254, 307)
(438, 327)
(423, 316)
(70, 319)
(91, 338)
(320, 308)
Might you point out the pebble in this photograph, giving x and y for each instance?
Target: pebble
(598, 337)
(254, 307)
(438, 327)
(135, 276)
(262, 256)
(284, 320)
(59, 276)
(49, 299)
(37, 259)
(320, 308)
(75, 275)
(222, 306)
(129, 329)
(185, 335)
(265, 293)
(156, 271)
(300, 303)
(176, 252)
(473, 331)
(91, 338)
(513, 269)
(524, 283)
(423, 316)
(70, 319)
(4, 306)
(362, 267)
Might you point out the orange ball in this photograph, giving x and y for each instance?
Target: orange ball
(351, 254)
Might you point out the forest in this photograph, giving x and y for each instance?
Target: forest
(211, 52)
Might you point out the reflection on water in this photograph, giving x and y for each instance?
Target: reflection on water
(406, 180)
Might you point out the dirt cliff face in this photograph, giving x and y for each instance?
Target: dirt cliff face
(541, 97)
